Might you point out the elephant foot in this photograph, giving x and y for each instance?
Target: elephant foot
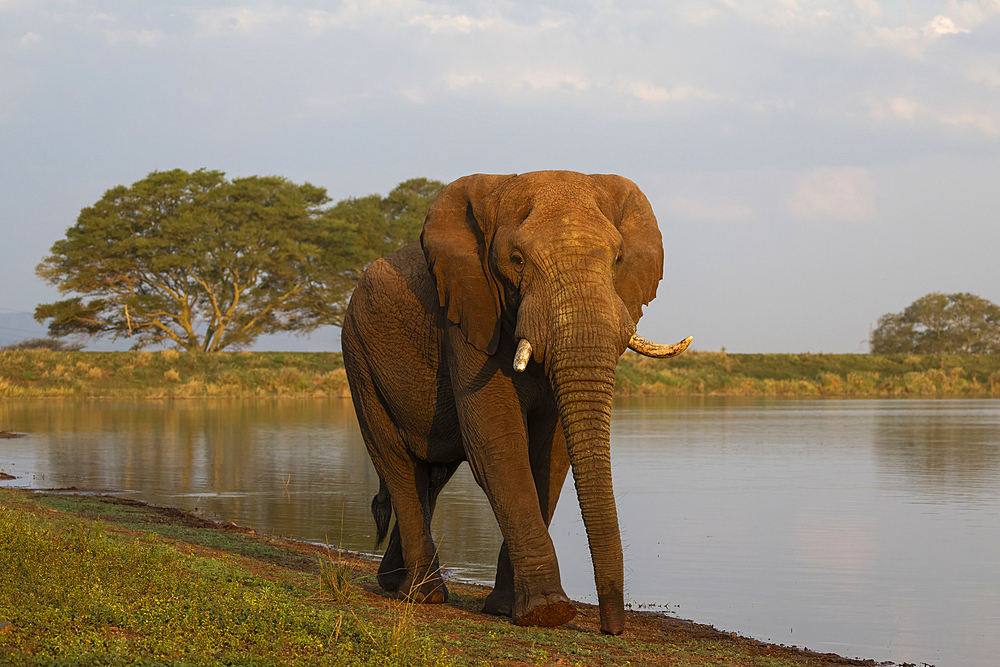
(431, 590)
(391, 580)
(499, 603)
(547, 612)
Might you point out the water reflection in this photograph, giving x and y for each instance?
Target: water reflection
(951, 454)
(296, 468)
(859, 527)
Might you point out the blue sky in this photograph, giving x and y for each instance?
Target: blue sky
(813, 165)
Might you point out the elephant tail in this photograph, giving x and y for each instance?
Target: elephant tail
(381, 512)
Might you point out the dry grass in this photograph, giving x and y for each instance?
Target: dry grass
(721, 374)
(170, 374)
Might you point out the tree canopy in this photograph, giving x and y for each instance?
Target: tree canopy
(936, 323)
(205, 263)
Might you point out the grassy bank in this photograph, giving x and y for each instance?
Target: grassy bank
(859, 375)
(169, 374)
(87, 580)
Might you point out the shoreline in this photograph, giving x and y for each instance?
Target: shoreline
(651, 637)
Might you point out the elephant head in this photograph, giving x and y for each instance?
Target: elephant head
(562, 263)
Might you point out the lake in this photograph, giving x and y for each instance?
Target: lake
(868, 528)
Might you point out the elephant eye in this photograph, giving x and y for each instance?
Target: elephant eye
(517, 261)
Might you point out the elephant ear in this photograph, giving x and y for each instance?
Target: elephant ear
(455, 237)
(642, 261)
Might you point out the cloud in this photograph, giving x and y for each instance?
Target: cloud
(833, 193)
(552, 80)
(210, 23)
(869, 7)
(108, 26)
(780, 13)
(908, 109)
(29, 38)
(913, 40)
(971, 14)
(895, 107)
(457, 81)
(942, 25)
(449, 23)
(648, 92)
(983, 122)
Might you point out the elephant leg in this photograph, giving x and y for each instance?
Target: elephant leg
(497, 451)
(410, 496)
(549, 465)
(392, 569)
(408, 482)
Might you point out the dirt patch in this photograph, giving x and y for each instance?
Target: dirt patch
(11, 434)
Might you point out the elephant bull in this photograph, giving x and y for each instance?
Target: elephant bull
(494, 341)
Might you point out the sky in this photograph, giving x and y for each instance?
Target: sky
(813, 164)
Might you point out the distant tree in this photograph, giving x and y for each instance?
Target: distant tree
(209, 264)
(44, 344)
(935, 323)
(365, 228)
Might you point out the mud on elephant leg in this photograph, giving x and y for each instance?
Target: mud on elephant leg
(546, 611)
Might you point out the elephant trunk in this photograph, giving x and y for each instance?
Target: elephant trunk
(585, 352)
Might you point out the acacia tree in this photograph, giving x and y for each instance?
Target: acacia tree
(362, 230)
(206, 263)
(935, 323)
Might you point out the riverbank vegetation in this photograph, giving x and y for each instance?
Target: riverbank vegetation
(88, 580)
(854, 375)
(170, 374)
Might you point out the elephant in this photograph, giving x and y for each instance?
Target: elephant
(494, 340)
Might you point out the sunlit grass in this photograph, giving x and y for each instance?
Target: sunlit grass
(148, 586)
(722, 374)
(169, 374)
(71, 593)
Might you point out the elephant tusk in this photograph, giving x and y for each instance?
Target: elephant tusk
(522, 355)
(643, 346)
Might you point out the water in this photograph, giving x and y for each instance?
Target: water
(866, 528)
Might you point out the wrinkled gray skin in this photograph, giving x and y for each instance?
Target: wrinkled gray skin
(561, 259)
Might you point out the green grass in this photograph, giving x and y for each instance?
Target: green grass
(100, 581)
(171, 375)
(74, 593)
(896, 375)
